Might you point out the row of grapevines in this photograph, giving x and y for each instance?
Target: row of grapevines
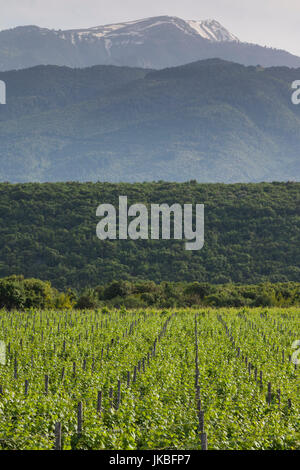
(142, 365)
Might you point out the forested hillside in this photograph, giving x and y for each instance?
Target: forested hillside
(212, 120)
(48, 231)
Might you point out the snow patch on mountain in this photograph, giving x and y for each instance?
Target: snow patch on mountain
(212, 30)
(208, 29)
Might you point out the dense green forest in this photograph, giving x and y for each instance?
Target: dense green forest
(211, 120)
(48, 231)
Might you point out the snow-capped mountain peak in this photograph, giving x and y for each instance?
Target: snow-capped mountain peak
(153, 43)
(208, 29)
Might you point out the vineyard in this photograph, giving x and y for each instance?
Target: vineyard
(166, 379)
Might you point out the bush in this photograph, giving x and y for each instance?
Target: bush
(117, 289)
(88, 300)
(198, 289)
(12, 294)
(39, 294)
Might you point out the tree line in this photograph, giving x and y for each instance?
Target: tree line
(17, 293)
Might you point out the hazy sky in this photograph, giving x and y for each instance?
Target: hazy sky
(266, 22)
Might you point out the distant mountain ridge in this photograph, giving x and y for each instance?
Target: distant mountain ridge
(213, 121)
(135, 30)
(157, 42)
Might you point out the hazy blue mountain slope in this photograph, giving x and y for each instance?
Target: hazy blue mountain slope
(210, 120)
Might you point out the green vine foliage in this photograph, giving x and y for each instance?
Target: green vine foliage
(84, 352)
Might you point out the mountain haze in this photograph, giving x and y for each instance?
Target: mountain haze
(157, 42)
(213, 121)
